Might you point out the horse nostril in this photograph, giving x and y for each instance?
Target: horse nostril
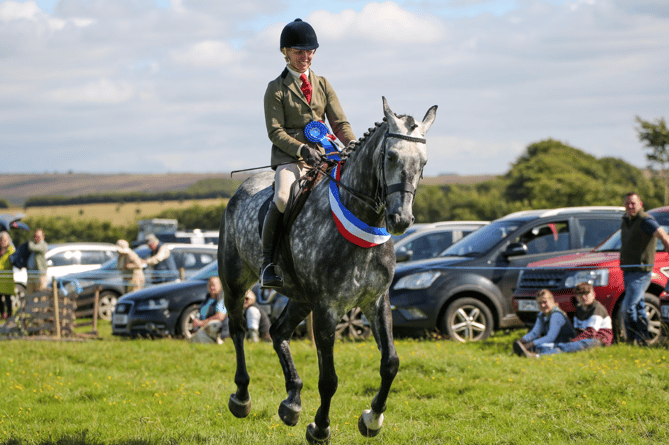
(413, 219)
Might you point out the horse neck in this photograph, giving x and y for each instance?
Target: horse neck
(361, 175)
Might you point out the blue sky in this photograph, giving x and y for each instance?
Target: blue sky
(159, 86)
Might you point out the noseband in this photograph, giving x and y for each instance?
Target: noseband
(378, 202)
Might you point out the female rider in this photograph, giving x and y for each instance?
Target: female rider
(292, 100)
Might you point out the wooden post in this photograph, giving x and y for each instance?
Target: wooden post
(96, 309)
(54, 286)
(182, 273)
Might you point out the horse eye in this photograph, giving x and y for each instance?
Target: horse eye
(393, 156)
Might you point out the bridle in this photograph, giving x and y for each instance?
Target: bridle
(383, 189)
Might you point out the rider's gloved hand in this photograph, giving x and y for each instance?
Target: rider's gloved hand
(309, 155)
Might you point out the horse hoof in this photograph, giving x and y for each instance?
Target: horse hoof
(364, 422)
(316, 436)
(289, 415)
(238, 408)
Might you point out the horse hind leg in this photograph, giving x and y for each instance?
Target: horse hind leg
(371, 420)
(281, 333)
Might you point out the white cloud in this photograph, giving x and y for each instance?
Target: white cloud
(103, 91)
(209, 53)
(379, 22)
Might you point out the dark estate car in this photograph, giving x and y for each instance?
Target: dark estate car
(466, 292)
(601, 268)
(189, 257)
(162, 310)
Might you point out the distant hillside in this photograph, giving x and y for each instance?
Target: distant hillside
(17, 188)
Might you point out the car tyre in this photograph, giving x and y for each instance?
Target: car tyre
(654, 321)
(107, 303)
(354, 326)
(185, 325)
(466, 320)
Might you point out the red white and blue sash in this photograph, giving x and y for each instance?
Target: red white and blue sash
(348, 224)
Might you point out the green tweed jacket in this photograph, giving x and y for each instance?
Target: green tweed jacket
(287, 113)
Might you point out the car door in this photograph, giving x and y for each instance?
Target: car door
(544, 239)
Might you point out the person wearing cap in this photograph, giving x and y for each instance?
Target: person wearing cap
(161, 261)
(130, 265)
(292, 100)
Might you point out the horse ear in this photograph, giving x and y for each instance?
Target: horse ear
(390, 116)
(429, 117)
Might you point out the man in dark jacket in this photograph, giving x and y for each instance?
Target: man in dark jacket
(638, 233)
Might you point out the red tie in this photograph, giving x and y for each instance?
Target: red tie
(306, 87)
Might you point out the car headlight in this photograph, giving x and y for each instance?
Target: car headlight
(421, 280)
(597, 277)
(153, 305)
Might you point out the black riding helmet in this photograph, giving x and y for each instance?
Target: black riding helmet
(298, 35)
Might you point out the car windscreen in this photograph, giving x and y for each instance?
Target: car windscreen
(210, 270)
(483, 239)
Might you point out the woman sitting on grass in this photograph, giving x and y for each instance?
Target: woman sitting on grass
(552, 326)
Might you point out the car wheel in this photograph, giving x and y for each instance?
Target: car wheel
(107, 303)
(185, 327)
(467, 319)
(17, 298)
(353, 326)
(654, 321)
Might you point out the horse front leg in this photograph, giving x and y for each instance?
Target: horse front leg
(324, 335)
(281, 332)
(371, 420)
(240, 401)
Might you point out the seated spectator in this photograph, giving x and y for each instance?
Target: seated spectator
(552, 326)
(592, 323)
(212, 320)
(257, 321)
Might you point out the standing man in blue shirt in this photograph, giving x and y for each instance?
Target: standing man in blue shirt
(638, 232)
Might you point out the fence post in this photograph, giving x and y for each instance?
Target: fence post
(54, 287)
(182, 273)
(96, 309)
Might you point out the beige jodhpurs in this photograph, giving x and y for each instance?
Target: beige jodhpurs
(284, 178)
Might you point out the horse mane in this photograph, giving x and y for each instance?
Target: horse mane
(410, 121)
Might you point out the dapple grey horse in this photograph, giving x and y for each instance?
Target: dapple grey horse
(330, 275)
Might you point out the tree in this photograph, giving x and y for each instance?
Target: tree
(656, 138)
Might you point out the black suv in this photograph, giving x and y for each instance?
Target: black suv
(466, 291)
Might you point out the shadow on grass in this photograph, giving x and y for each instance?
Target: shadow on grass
(80, 439)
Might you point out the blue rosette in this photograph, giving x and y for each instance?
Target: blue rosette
(317, 132)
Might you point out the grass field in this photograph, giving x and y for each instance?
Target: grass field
(117, 214)
(117, 391)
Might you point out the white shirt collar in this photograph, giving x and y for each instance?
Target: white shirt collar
(295, 74)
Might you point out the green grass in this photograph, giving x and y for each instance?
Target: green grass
(116, 391)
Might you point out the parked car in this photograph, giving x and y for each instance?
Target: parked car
(163, 310)
(64, 259)
(169, 309)
(601, 268)
(429, 240)
(465, 292)
(189, 257)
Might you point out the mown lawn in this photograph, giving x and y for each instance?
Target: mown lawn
(115, 391)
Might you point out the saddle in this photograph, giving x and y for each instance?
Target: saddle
(299, 193)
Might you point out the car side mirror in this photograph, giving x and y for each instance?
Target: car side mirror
(515, 249)
(403, 256)
(49, 263)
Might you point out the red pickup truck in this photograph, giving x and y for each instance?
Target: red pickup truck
(601, 268)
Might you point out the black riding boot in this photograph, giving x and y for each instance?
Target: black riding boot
(268, 277)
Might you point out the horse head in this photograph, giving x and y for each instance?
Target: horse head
(404, 155)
